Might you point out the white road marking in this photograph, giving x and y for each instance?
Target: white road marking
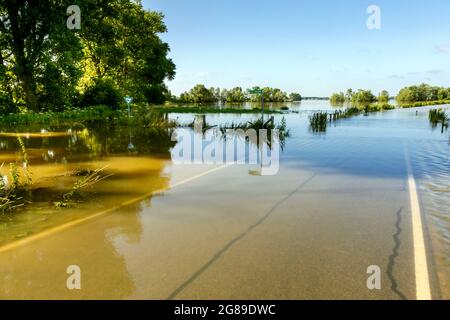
(423, 291)
(46, 233)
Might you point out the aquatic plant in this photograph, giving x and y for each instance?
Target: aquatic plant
(318, 121)
(14, 188)
(88, 178)
(260, 124)
(423, 103)
(437, 116)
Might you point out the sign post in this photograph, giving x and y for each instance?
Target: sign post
(128, 101)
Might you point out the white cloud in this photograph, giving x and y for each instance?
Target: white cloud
(444, 48)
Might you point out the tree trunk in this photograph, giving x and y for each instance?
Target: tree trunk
(30, 92)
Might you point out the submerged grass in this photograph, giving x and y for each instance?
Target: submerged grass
(319, 120)
(88, 178)
(259, 124)
(14, 186)
(423, 103)
(144, 116)
(437, 116)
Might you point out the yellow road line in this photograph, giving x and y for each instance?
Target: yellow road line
(65, 226)
(423, 291)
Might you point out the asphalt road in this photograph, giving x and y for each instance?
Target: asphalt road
(306, 233)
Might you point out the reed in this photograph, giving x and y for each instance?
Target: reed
(318, 121)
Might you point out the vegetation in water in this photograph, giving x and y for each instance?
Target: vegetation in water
(261, 124)
(422, 94)
(44, 66)
(210, 110)
(201, 94)
(14, 186)
(360, 96)
(319, 120)
(88, 178)
(437, 116)
(140, 115)
(17, 187)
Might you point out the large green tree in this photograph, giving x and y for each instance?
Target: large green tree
(121, 42)
(38, 52)
(46, 66)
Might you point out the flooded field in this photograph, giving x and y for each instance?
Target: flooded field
(154, 229)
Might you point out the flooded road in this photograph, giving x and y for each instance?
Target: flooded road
(340, 203)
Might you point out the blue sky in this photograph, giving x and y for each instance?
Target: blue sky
(314, 47)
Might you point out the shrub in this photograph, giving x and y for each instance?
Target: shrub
(103, 92)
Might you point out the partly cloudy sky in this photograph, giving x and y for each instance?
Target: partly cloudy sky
(312, 46)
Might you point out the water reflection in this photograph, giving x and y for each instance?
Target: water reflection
(133, 157)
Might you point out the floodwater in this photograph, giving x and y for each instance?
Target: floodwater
(153, 229)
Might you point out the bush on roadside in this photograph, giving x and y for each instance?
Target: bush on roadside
(103, 92)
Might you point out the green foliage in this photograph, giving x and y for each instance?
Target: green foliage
(424, 103)
(438, 116)
(337, 98)
(422, 93)
(295, 97)
(44, 66)
(383, 97)
(234, 95)
(363, 96)
(200, 94)
(359, 97)
(40, 54)
(318, 121)
(14, 187)
(103, 92)
(210, 110)
(87, 180)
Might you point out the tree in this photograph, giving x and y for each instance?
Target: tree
(43, 64)
(383, 96)
(422, 93)
(363, 96)
(121, 42)
(337, 98)
(199, 94)
(295, 97)
(38, 51)
(236, 95)
(349, 95)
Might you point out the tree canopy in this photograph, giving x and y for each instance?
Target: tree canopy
(422, 93)
(200, 94)
(46, 66)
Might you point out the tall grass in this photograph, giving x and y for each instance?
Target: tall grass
(14, 186)
(437, 116)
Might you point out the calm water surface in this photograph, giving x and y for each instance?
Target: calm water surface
(371, 147)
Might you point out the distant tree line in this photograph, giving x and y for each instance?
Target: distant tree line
(422, 93)
(360, 96)
(201, 94)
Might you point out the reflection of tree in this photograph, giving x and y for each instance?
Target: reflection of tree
(38, 270)
(110, 139)
(97, 140)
